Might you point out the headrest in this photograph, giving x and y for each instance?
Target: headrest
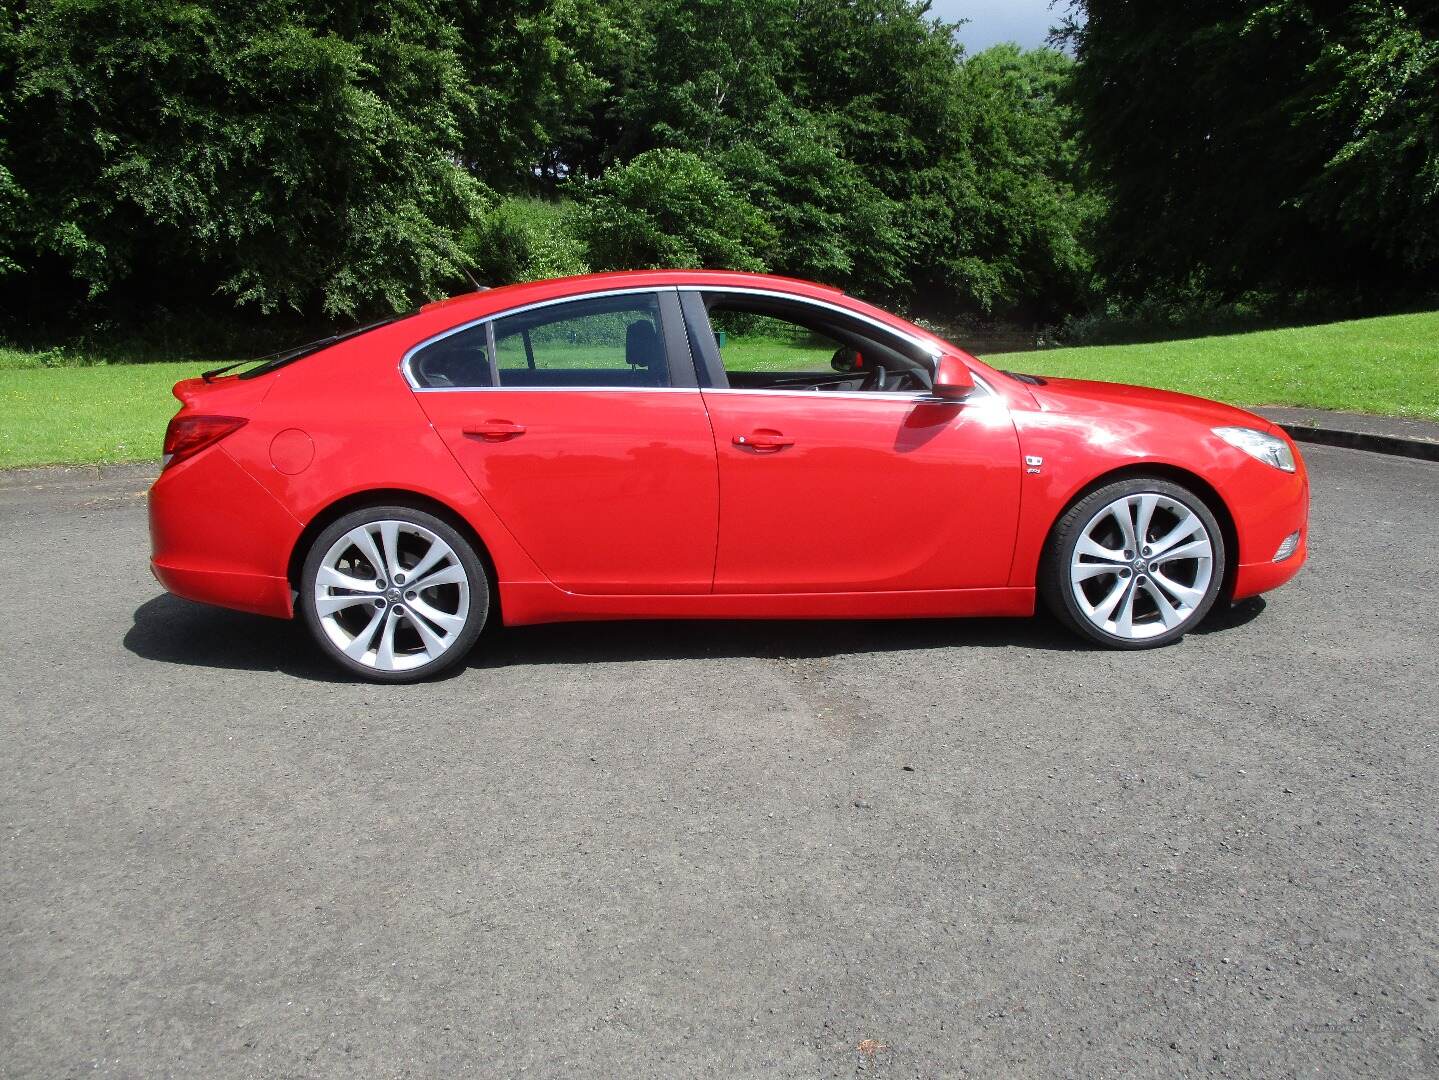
(642, 345)
(846, 360)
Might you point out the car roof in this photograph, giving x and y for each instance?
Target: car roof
(486, 300)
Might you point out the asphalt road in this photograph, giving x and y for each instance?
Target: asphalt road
(659, 850)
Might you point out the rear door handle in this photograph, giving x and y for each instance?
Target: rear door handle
(495, 430)
(764, 441)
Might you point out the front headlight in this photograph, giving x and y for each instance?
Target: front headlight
(1267, 448)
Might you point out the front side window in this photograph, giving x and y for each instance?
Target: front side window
(764, 345)
(772, 348)
(594, 342)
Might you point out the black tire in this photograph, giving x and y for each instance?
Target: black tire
(1054, 578)
(476, 611)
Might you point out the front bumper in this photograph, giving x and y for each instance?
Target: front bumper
(1267, 513)
(1254, 578)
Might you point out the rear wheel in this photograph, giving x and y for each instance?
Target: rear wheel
(394, 594)
(1135, 564)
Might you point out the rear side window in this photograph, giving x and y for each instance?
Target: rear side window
(599, 341)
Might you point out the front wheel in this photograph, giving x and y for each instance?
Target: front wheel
(1135, 564)
(394, 594)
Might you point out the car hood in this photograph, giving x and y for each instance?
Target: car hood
(1104, 398)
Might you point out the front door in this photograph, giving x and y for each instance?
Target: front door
(582, 443)
(835, 475)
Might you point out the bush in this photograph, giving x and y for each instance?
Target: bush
(526, 240)
(1194, 312)
(669, 208)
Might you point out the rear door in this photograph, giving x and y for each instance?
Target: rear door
(580, 423)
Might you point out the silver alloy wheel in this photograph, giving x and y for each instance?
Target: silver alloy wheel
(392, 595)
(1142, 566)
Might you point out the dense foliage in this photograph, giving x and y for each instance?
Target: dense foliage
(1272, 147)
(281, 157)
(350, 157)
(847, 141)
(318, 157)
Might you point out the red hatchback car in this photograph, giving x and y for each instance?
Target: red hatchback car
(692, 444)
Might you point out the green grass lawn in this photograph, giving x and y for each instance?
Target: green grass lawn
(776, 354)
(87, 415)
(1389, 366)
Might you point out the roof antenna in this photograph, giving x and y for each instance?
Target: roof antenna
(478, 287)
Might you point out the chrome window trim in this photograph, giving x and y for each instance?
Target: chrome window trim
(929, 349)
(912, 396)
(555, 389)
(863, 395)
(462, 327)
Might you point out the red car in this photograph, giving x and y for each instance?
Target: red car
(693, 444)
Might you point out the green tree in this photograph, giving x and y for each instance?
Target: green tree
(1375, 86)
(1281, 145)
(1017, 226)
(859, 133)
(294, 155)
(287, 154)
(533, 69)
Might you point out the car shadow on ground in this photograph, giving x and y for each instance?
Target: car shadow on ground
(575, 643)
(718, 639)
(174, 631)
(1227, 617)
(169, 630)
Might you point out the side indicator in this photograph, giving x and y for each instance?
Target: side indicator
(1033, 464)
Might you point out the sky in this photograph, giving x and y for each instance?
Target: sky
(992, 21)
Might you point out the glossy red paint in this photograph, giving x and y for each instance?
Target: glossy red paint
(224, 553)
(607, 492)
(692, 501)
(1089, 431)
(862, 493)
(953, 380)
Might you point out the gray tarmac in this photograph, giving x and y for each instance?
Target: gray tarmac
(766, 849)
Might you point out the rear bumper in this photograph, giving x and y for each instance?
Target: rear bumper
(218, 537)
(256, 593)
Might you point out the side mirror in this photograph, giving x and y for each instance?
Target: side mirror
(952, 380)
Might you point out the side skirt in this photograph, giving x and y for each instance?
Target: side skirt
(526, 603)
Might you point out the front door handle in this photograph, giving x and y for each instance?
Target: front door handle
(495, 430)
(764, 441)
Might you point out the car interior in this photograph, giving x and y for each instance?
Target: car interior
(590, 342)
(859, 358)
(461, 359)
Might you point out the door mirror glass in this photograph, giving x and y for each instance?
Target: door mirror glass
(952, 380)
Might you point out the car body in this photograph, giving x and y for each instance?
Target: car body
(671, 485)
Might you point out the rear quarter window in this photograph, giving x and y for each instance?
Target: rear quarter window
(458, 360)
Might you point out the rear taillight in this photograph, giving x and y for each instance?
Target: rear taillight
(188, 435)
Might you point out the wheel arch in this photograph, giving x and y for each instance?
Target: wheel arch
(396, 497)
(1175, 474)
